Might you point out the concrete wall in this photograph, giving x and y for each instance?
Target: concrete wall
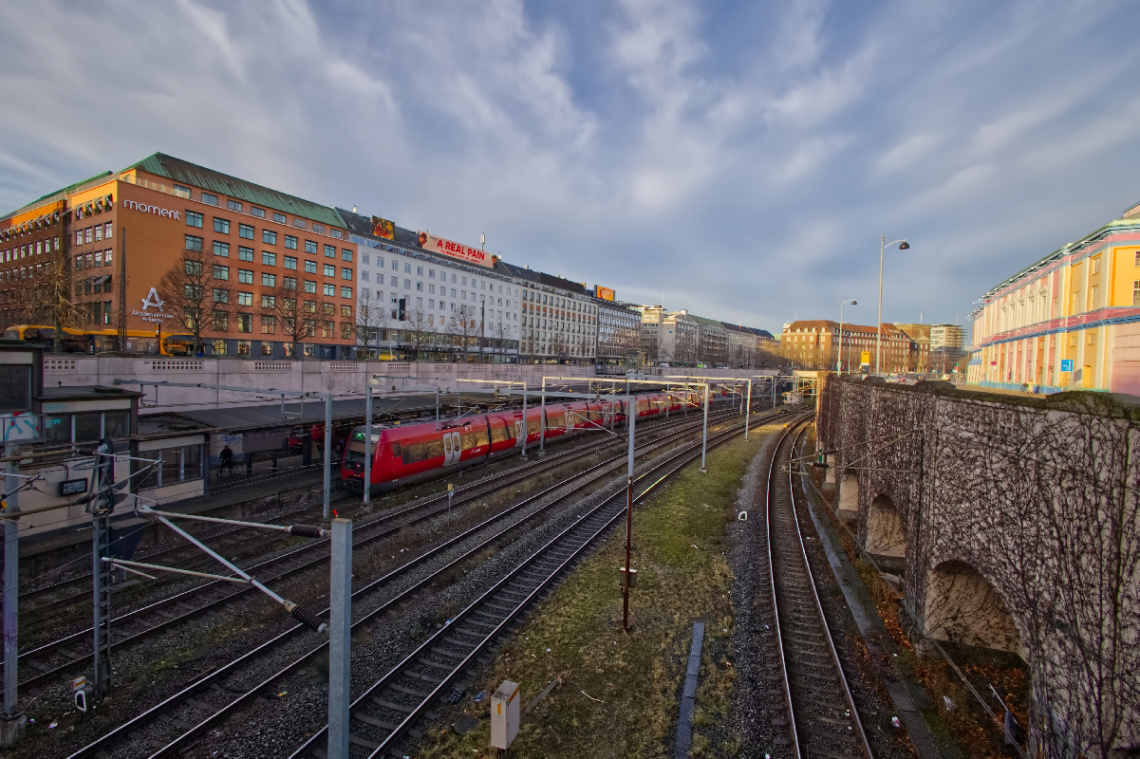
(343, 378)
(1019, 522)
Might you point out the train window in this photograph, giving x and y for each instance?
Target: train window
(501, 431)
(396, 450)
(474, 438)
(533, 426)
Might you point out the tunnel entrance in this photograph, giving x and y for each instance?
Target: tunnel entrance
(886, 530)
(963, 607)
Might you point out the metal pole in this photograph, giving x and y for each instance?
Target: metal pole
(631, 413)
(705, 431)
(879, 335)
(11, 583)
(328, 452)
(437, 408)
(839, 353)
(748, 413)
(526, 427)
(542, 423)
(367, 438)
(340, 637)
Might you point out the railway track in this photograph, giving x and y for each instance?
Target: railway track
(822, 719)
(55, 660)
(204, 704)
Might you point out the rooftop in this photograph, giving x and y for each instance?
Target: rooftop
(178, 170)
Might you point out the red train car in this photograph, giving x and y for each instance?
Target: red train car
(406, 454)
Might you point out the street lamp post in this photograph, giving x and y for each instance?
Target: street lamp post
(839, 353)
(883, 245)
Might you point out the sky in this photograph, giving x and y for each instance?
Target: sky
(738, 159)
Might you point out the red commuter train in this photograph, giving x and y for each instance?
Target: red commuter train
(410, 453)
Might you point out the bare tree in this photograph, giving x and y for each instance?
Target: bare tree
(463, 328)
(500, 334)
(49, 297)
(190, 292)
(420, 329)
(293, 312)
(371, 318)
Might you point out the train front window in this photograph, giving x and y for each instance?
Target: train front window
(355, 453)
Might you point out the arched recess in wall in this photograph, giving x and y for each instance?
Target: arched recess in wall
(963, 607)
(886, 531)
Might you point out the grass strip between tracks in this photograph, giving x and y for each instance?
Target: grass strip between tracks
(621, 692)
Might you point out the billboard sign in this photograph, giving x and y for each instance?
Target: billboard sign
(865, 357)
(383, 228)
(443, 247)
(605, 293)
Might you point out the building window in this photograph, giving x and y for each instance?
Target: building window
(221, 226)
(193, 219)
(1136, 293)
(268, 301)
(245, 324)
(221, 272)
(233, 205)
(268, 280)
(326, 329)
(244, 253)
(269, 237)
(419, 285)
(245, 299)
(346, 311)
(182, 192)
(310, 286)
(299, 223)
(290, 242)
(290, 262)
(221, 295)
(330, 270)
(408, 270)
(266, 349)
(209, 199)
(220, 322)
(192, 268)
(364, 276)
(268, 325)
(346, 254)
(329, 289)
(346, 292)
(319, 228)
(289, 283)
(365, 258)
(220, 346)
(243, 346)
(269, 258)
(346, 330)
(221, 249)
(336, 233)
(245, 231)
(1095, 265)
(280, 218)
(310, 307)
(310, 267)
(194, 243)
(330, 251)
(258, 212)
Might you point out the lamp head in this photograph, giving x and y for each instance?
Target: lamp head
(904, 245)
(854, 303)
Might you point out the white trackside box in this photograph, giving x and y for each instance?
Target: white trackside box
(504, 715)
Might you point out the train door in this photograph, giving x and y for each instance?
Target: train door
(452, 448)
(520, 432)
(607, 413)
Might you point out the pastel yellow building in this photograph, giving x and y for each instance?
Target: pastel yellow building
(1069, 321)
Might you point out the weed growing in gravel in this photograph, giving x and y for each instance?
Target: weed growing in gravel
(621, 692)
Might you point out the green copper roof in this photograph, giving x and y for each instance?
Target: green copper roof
(61, 193)
(184, 172)
(705, 321)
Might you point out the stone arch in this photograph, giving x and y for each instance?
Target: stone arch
(962, 606)
(886, 530)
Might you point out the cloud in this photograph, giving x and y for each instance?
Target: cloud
(741, 159)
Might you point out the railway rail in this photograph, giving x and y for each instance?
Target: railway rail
(822, 718)
(54, 660)
(202, 705)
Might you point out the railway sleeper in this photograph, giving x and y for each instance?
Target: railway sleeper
(402, 708)
(370, 720)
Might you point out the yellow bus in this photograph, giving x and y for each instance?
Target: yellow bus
(76, 340)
